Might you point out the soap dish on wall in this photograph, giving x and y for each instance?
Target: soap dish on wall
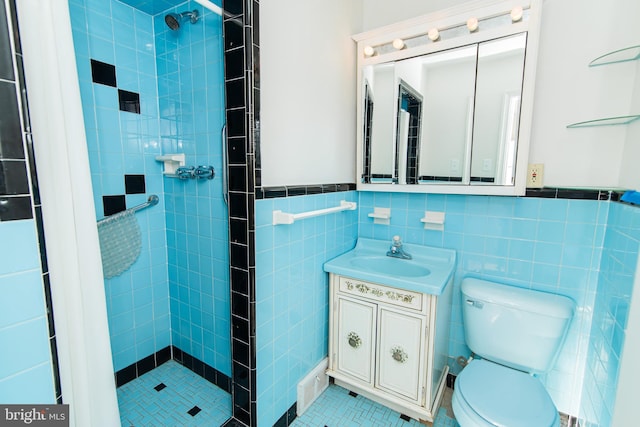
(381, 216)
(171, 163)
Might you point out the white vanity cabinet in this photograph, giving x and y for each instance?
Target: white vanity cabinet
(389, 344)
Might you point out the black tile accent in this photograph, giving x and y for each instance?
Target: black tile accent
(236, 128)
(145, 365)
(15, 208)
(300, 190)
(163, 356)
(134, 184)
(237, 153)
(234, 93)
(129, 101)
(194, 411)
(238, 231)
(11, 146)
(6, 64)
(572, 193)
(241, 353)
(125, 375)
(160, 387)
(103, 73)
(240, 280)
(353, 394)
(13, 178)
(113, 204)
(241, 397)
(234, 64)
(238, 205)
(237, 178)
(239, 256)
(404, 417)
(240, 328)
(578, 194)
(287, 418)
(233, 35)
(241, 375)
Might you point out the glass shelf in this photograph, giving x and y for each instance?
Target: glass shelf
(609, 121)
(623, 55)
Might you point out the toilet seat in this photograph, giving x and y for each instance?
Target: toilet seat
(488, 394)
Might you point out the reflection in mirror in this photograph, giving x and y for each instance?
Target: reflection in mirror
(448, 80)
(368, 118)
(382, 88)
(407, 134)
(497, 110)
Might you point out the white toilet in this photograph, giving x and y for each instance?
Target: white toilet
(517, 332)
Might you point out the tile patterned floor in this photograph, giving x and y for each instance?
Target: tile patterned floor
(336, 408)
(172, 395)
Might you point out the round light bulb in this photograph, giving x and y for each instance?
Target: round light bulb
(398, 43)
(472, 24)
(516, 14)
(369, 51)
(433, 34)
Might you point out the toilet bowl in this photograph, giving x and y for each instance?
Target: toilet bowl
(516, 334)
(488, 395)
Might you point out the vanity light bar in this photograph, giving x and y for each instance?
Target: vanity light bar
(433, 35)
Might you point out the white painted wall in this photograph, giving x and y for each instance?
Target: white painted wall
(308, 89)
(308, 92)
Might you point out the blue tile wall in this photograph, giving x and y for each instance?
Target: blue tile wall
(28, 363)
(610, 313)
(26, 370)
(292, 293)
(122, 143)
(552, 245)
(191, 103)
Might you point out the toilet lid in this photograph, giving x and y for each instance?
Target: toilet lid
(504, 396)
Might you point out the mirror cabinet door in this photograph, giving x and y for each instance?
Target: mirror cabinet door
(497, 110)
(379, 123)
(450, 117)
(448, 80)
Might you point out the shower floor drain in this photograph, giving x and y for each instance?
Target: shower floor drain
(160, 386)
(193, 411)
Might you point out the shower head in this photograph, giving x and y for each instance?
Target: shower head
(173, 19)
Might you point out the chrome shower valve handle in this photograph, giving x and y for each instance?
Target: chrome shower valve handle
(202, 172)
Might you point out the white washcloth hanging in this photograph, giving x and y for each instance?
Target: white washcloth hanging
(120, 242)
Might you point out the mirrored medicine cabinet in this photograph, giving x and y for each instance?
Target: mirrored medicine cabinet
(445, 100)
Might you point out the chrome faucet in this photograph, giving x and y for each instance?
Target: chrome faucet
(396, 250)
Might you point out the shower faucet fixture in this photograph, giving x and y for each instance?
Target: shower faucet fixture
(173, 19)
(192, 172)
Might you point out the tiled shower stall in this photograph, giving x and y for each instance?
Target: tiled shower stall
(148, 90)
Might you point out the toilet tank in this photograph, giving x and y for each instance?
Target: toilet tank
(516, 327)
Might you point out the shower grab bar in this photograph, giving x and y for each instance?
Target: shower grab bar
(280, 217)
(152, 201)
(225, 161)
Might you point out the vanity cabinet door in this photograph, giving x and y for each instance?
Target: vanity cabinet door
(402, 339)
(356, 338)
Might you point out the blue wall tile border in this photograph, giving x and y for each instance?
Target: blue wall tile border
(156, 359)
(302, 190)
